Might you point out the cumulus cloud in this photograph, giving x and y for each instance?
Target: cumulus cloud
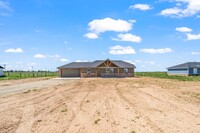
(39, 56)
(183, 29)
(193, 36)
(195, 53)
(138, 61)
(99, 26)
(14, 50)
(142, 7)
(91, 36)
(128, 37)
(81, 61)
(120, 50)
(64, 60)
(132, 21)
(109, 24)
(130, 61)
(183, 8)
(156, 51)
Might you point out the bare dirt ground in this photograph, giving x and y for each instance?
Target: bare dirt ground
(14, 86)
(143, 105)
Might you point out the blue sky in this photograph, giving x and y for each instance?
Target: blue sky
(44, 34)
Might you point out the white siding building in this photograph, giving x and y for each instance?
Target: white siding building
(1, 71)
(188, 68)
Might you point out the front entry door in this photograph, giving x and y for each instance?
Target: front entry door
(194, 70)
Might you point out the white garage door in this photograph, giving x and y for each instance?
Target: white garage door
(70, 73)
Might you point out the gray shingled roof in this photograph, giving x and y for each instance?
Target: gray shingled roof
(119, 63)
(186, 65)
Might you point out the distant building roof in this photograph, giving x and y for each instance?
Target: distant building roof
(186, 65)
(94, 64)
(1, 67)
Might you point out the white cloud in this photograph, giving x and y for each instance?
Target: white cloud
(156, 51)
(128, 37)
(132, 21)
(109, 24)
(193, 36)
(81, 61)
(120, 50)
(170, 11)
(91, 36)
(183, 29)
(14, 50)
(130, 61)
(184, 8)
(64, 60)
(142, 7)
(195, 53)
(138, 61)
(39, 56)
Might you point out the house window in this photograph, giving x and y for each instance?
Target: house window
(125, 70)
(109, 70)
(88, 71)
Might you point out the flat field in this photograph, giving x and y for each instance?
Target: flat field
(90, 105)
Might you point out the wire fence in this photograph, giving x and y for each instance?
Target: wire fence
(27, 74)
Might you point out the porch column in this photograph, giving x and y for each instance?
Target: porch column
(118, 71)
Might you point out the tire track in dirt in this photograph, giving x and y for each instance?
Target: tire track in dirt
(141, 90)
(147, 119)
(74, 113)
(38, 99)
(70, 97)
(109, 110)
(28, 109)
(167, 103)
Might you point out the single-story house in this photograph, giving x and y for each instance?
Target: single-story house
(1, 71)
(187, 69)
(98, 68)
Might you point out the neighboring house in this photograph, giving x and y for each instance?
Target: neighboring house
(1, 71)
(98, 68)
(189, 68)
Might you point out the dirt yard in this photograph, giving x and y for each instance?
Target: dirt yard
(141, 105)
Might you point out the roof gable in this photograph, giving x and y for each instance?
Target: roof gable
(107, 63)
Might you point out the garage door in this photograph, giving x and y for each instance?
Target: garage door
(70, 72)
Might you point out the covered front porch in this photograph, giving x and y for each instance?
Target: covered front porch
(107, 72)
(107, 69)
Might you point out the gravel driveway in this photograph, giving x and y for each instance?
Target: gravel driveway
(10, 87)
